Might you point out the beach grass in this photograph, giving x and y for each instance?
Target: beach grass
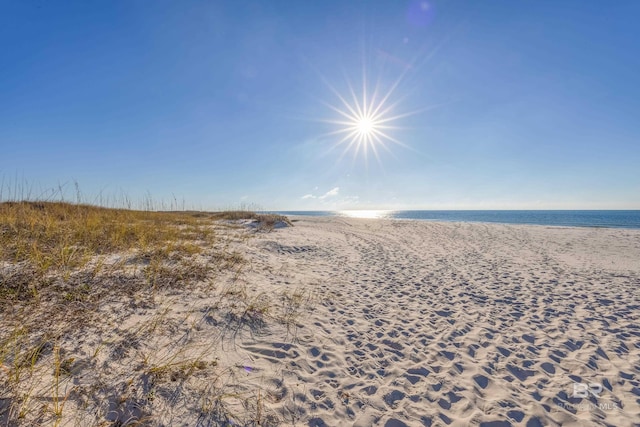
(62, 263)
(56, 237)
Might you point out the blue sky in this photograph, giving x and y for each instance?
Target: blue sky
(518, 104)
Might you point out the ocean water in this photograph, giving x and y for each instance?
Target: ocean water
(588, 218)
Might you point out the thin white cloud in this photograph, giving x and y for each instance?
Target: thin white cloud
(330, 193)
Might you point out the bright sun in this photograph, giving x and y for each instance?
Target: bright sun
(366, 120)
(365, 126)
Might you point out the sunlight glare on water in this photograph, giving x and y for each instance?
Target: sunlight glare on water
(367, 213)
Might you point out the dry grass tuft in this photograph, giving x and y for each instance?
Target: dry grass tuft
(58, 235)
(42, 242)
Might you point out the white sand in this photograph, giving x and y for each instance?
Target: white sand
(454, 324)
(392, 323)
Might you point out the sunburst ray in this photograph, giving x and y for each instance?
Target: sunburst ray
(366, 119)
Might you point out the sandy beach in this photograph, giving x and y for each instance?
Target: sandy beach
(453, 324)
(370, 322)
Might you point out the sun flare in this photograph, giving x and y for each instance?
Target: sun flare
(365, 126)
(366, 120)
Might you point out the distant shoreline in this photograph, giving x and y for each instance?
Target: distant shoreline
(618, 219)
